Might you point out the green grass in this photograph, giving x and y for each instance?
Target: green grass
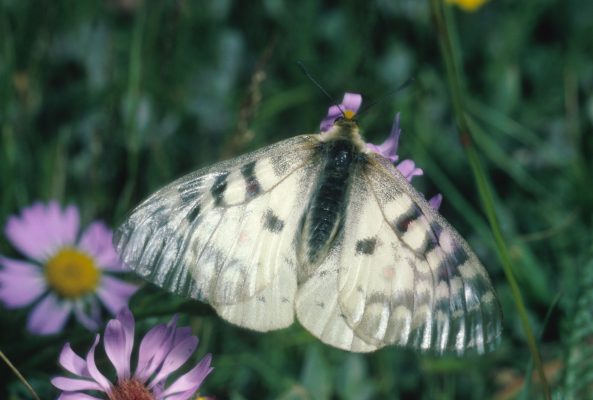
(100, 106)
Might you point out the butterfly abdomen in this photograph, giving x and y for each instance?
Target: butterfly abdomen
(323, 218)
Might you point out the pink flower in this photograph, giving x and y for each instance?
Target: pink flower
(66, 274)
(163, 350)
(347, 109)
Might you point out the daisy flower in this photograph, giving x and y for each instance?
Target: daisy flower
(162, 351)
(66, 273)
(388, 149)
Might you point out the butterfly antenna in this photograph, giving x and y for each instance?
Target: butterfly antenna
(312, 79)
(388, 94)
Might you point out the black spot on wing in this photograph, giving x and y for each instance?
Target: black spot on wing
(431, 238)
(186, 195)
(219, 187)
(446, 270)
(443, 305)
(193, 214)
(188, 190)
(431, 241)
(402, 222)
(429, 244)
(449, 266)
(460, 255)
(252, 186)
(478, 286)
(408, 298)
(377, 297)
(272, 222)
(366, 246)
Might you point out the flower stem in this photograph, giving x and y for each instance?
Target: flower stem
(19, 375)
(484, 188)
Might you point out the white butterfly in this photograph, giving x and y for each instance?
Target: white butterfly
(323, 226)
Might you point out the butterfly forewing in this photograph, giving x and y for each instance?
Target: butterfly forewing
(221, 234)
(454, 305)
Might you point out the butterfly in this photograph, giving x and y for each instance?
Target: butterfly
(321, 227)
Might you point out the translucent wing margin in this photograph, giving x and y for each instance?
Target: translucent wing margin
(225, 234)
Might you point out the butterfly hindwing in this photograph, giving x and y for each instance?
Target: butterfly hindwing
(319, 310)
(222, 234)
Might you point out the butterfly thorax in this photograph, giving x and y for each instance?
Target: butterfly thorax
(345, 129)
(340, 151)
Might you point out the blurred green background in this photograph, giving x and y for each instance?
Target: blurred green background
(103, 102)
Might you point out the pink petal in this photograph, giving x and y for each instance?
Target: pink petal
(49, 316)
(94, 371)
(435, 201)
(41, 229)
(150, 342)
(93, 319)
(192, 379)
(158, 389)
(115, 346)
(115, 293)
(394, 135)
(77, 396)
(408, 169)
(159, 352)
(126, 318)
(176, 358)
(72, 362)
(388, 148)
(180, 334)
(332, 114)
(97, 240)
(182, 396)
(352, 102)
(20, 283)
(72, 385)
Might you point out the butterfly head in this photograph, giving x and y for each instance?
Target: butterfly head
(347, 118)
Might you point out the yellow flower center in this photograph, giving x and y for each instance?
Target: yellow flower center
(349, 114)
(468, 5)
(72, 273)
